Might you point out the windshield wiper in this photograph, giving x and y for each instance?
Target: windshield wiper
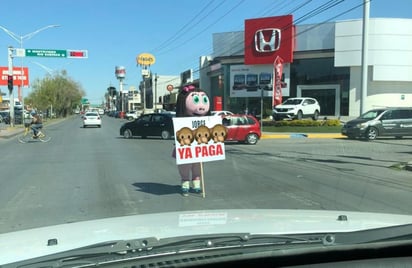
(140, 249)
(126, 250)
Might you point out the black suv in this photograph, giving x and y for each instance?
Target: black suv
(395, 122)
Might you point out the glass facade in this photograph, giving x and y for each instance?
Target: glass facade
(321, 71)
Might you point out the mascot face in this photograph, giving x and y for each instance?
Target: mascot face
(197, 103)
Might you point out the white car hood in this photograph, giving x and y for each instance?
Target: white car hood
(285, 106)
(27, 244)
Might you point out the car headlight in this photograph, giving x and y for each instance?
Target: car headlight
(362, 125)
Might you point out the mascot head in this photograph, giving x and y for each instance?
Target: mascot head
(192, 101)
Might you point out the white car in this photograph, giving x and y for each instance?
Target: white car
(131, 115)
(220, 113)
(92, 119)
(297, 108)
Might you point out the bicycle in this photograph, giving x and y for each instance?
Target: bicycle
(28, 135)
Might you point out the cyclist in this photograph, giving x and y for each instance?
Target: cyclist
(36, 124)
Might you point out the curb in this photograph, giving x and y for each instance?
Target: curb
(303, 135)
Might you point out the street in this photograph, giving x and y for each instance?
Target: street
(94, 173)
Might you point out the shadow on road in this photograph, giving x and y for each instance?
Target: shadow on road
(157, 188)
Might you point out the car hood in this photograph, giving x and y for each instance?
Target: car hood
(356, 121)
(283, 106)
(31, 243)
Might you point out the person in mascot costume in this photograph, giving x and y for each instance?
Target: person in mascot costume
(191, 101)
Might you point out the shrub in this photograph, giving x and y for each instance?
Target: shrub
(303, 123)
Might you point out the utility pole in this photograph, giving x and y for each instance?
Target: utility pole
(364, 64)
(10, 83)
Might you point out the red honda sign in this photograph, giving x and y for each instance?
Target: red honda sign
(267, 38)
(18, 76)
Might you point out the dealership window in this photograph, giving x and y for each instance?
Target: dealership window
(321, 71)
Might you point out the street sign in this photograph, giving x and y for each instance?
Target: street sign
(77, 53)
(54, 53)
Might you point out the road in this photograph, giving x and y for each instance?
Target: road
(93, 173)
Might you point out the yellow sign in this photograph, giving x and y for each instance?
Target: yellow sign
(145, 59)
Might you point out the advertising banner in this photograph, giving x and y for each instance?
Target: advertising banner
(257, 80)
(196, 139)
(277, 86)
(266, 38)
(18, 76)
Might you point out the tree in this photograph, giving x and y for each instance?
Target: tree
(58, 91)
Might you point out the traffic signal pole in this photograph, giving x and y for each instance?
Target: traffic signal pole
(10, 85)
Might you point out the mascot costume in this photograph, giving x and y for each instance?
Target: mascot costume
(191, 102)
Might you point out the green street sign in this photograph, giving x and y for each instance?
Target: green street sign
(54, 53)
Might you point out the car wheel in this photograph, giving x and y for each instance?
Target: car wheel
(252, 139)
(316, 115)
(165, 135)
(127, 134)
(371, 133)
(299, 115)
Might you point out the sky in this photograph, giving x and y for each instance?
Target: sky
(176, 32)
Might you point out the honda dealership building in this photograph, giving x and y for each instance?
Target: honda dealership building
(320, 60)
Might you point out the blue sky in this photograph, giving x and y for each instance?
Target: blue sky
(176, 32)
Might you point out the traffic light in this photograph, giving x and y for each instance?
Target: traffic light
(10, 83)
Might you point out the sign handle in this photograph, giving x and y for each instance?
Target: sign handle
(202, 180)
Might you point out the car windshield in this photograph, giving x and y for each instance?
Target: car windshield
(293, 101)
(371, 114)
(163, 119)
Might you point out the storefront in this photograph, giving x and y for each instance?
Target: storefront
(325, 63)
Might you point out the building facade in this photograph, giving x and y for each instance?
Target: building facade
(326, 65)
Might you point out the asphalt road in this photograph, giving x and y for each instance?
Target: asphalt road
(93, 173)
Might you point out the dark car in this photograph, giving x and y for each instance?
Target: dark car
(395, 122)
(6, 116)
(154, 124)
(242, 128)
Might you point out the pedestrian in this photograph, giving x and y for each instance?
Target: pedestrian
(36, 123)
(191, 101)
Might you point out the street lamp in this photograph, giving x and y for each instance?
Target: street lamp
(20, 39)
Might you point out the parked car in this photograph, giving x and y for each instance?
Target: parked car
(297, 108)
(395, 122)
(92, 119)
(131, 115)
(221, 113)
(242, 128)
(153, 124)
(6, 116)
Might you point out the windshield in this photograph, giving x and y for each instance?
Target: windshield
(124, 93)
(292, 101)
(371, 114)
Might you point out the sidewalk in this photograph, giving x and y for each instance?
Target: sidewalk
(7, 132)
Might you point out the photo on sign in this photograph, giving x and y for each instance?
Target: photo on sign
(256, 80)
(199, 139)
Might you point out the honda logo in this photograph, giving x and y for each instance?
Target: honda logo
(267, 40)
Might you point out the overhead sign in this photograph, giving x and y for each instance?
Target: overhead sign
(199, 139)
(77, 54)
(54, 53)
(18, 76)
(51, 53)
(267, 38)
(145, 59)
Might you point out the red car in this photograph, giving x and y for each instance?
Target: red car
(242, 128)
